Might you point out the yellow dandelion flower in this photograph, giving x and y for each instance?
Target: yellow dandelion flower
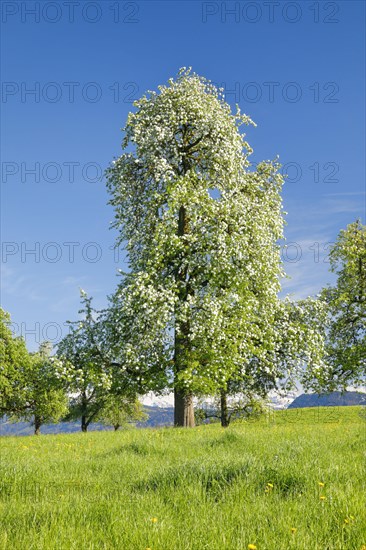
(270, 485)
(321, 484)
(322, 497)
(293, 530)
(363, 547)
(154, 520)
(352, 517)
(252, 547)
(346, 520)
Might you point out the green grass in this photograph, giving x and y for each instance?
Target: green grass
(206, 487)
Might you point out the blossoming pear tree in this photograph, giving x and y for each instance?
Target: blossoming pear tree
(201, 230)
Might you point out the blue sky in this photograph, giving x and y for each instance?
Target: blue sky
(297, 68)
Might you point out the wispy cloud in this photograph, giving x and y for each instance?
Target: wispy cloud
(310, 272)
(320, 221)
(14, 283)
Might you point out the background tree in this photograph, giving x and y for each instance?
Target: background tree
(87, 364)
(296, 342)
(201, 230)
(45, 400)
(15, 361)
(119, 412)
(29, 387)
(346, 323)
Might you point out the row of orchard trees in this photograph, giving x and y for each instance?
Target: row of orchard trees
(41, 388)
(198, 311)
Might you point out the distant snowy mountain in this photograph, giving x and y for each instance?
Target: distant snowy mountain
(152, 400)
(165, 401)
(278, 402)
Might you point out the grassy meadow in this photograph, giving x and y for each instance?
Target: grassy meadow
(293, 480)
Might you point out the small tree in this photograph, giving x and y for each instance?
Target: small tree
(45, 398)
(88, 365)
(29, 387)
(119, 412)
(82, 366)
(346, 323)
(245, 407)
(15, 361)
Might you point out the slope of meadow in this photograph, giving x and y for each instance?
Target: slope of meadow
(255, 483)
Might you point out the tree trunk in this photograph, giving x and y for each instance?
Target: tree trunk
(183, 401)
(84, 409)
(116, 426)
(183, 410)
(84, 424)
(225, 419)
(37, 425)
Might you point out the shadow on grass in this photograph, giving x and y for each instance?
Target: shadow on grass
(213, 478)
